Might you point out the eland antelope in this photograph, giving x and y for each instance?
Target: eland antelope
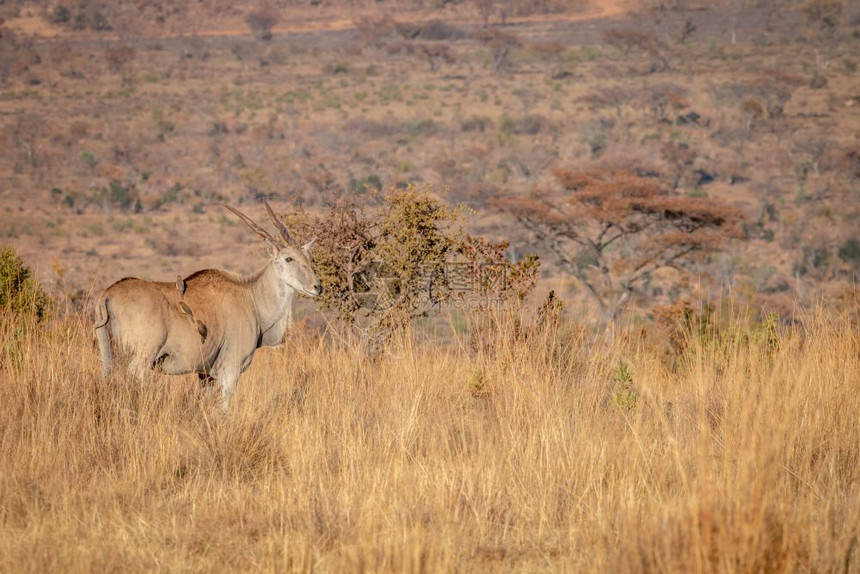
(210, 322)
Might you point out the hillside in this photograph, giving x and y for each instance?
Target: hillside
(124, 124)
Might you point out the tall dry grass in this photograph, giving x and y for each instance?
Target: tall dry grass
(539, 451)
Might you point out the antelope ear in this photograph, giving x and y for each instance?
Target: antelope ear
(307, 246)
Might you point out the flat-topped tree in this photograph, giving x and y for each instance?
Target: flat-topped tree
(611, 229)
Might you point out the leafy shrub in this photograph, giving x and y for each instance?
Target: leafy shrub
(595, 138)
(820, 258)
(476, 124)
(125, 197)
(85, 15)
(376, 262)
(384, 265)
(366, 184)
(530, 124)
(19, 292)
(89, 160)
(61, 15)
(850, 251)
(438, 30)
(501, 45)
(119, 57)
(418, 128)
(169, 196)
(627, 41)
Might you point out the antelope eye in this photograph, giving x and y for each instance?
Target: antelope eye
(288, 259)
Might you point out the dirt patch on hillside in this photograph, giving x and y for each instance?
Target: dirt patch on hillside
(30, 22)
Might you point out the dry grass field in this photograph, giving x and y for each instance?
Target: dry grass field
(544, 451)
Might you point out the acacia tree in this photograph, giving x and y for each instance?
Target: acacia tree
(612, 229)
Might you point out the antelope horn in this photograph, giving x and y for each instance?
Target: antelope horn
(257, 229)
(279, 224)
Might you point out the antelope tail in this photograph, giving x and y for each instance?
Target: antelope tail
(104, 335)
(102, 315)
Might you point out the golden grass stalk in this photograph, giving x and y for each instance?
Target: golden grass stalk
(515, 449)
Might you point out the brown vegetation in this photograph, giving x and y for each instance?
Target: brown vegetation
(384, 266)
(153, 128)
(541, 452)
(613, 230)
(705, 436)
(262, 20)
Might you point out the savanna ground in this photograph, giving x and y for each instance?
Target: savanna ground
(531, 449)
(498, 441)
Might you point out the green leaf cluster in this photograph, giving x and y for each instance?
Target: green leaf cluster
(19, 291)
(387, 260)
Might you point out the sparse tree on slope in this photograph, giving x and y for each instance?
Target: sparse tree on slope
(612, 229)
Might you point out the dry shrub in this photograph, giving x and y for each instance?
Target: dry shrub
(176, 242)
(849, 162)
(530, 7)
(662, 99)
(501, 45)
(371, 129)
(17, 56)
(822, 16)
(751, 110)
(775, 88)
(615, 97)
(374, 30)
(399, 46)
(383, 266)
(546, 51)
(681, 326)
(628, 40)
(262, 21)
(438, 30)
(529, 124)
(436, 53)
(118, 57)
